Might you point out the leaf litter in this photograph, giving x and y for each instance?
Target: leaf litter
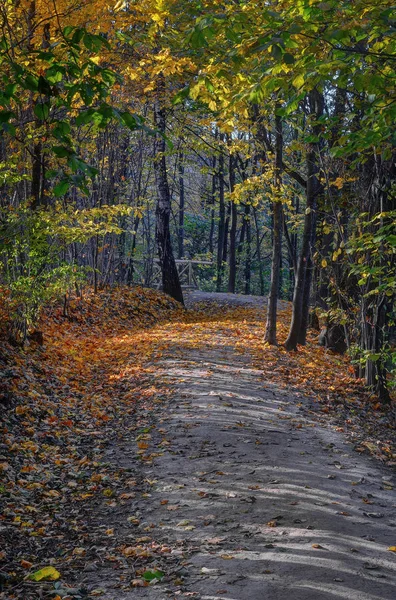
(93, 384)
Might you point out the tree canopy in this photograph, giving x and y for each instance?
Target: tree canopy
(255, 136)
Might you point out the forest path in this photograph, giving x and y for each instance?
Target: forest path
(251, 496)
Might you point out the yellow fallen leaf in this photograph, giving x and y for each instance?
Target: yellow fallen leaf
(45, 574)
(392, 548)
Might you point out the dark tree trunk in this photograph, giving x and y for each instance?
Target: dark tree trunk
(377, 309)
(301, 296)
(258, 252)
(270, 329)
(212, 210)
(170, 277)
(36, 188)
(181, 207)
(221, 230)
(131, 266)
(226, 226)
(233, 231)
(248, 259)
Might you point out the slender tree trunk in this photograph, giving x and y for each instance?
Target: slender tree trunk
(226, 226)
(212, 210)
(131, 266)
(258, 252)
(170, 277)
(221, 230)
(270, 329)
(181, 207)
(248, 259)
(233, 231)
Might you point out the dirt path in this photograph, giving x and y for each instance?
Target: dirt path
(250, 498)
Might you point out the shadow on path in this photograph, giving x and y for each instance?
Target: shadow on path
(269, 503)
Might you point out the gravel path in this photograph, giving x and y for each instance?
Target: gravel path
(254, 499)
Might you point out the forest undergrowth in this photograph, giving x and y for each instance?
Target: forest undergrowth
(94, 383)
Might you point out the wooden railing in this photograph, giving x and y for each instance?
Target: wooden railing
(149, 272)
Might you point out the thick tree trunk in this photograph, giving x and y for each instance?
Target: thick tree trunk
(270, 329)
(170, 277)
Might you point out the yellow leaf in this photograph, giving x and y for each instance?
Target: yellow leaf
(45, 574)
(324, 263)
(392, 548)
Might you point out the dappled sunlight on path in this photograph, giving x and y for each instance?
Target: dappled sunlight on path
(263, 498)
(185, 446)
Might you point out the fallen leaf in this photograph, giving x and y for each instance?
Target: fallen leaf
(26, 564)
(45, 574)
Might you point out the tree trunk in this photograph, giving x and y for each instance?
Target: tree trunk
(221, 230)
(258, 252)
(180, 237)
(248, 259)
(233, 230)
(212, 210)
(170, 277)
(301, 296)
(270, 329)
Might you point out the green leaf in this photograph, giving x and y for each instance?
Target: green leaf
(61, 151)
(10, 90)
(6, 115)
(31, 83)
(76, 164)
(67, 30)
(109, 76)
(78, 35)
(61, 129)
(151, 575)
(86, 117)
(130, 121)
(9, 128)
(55, 74)
(94, 42)
(61, 188)
(288, 58)
(45, 574)
(276, 52)
(42, 111)
(182, 95)
(391, 239)
(43, 86)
